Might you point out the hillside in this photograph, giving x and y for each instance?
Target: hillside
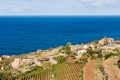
(98, 60)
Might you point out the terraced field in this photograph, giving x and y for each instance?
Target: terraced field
(67, 71)
(58, 72)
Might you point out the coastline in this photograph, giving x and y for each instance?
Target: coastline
(68, 57)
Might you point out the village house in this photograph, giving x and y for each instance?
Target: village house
(44, 58)
(105, 41)
(73, 47)
(86, 46)
(79, 52)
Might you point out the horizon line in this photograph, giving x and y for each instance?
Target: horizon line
(59, 15)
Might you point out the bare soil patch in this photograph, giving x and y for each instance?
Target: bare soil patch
(89, 70)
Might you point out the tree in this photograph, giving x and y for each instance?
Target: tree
(68, 49)
(84, 59)
(72, 55)
(90, 51)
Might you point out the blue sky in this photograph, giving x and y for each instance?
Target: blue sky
(59, 7)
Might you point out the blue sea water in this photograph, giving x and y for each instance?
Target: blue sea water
(24, 34)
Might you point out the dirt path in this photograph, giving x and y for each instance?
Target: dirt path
(112, 69)
(89, 70)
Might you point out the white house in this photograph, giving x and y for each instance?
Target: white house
(80, 52)
(85, 46)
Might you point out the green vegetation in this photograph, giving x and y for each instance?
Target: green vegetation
(81, 76)
(6, 76)
(34, 70)
(72, 56)
(84, 59)
(44, 75)
(67, 71)
(110, 55)
(99, 63)
(94, 54)
(90, 51)
(6, 63)
(60, 59)
(95, 42)
(100, 68)
(68, 49)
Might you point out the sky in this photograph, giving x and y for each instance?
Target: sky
(59, 7)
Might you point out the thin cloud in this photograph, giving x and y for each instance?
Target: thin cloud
(102, 2)
(58, 6)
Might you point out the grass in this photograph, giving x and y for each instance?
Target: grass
(99, 63)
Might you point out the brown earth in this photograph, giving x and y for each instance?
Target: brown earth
(89, 70)
(112, 69)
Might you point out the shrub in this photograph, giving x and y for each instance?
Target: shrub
(67, 48)
(84, 59)
(60, 59)
(110, 55)
(61, 49)
(34, 70)
(95, 41)
(72, 56)
(90, 51)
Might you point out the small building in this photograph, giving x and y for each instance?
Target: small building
(79, 52)
(105, 41)
(85, 46)
(44, 58)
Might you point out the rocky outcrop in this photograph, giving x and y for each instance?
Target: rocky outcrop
(17, 63)
(5, 57)
(53, 61)
(37, 62)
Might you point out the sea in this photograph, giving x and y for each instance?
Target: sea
(25, 34)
